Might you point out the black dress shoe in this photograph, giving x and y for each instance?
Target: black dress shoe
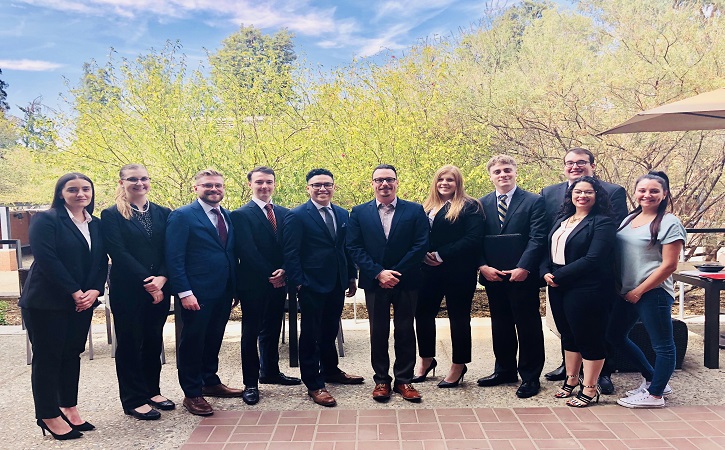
(281, 379)
(606, 385)
(250, 395)
(344, 378)
(150, 415)
(85, 426)
(497, 378)
(528, 389)
(558, 374)
(165, 405)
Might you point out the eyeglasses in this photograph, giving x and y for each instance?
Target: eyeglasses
(212, 185)
(136, 180)
(587, 193)
(318, 186)
(384, 180)
(580, 163)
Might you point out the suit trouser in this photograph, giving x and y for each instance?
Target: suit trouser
(319, 324)
(262, 315)
(58, 339)
(201, 340)
(581, 314)
(378, 301)
(458, 288)
(516, 325)
(139, 326)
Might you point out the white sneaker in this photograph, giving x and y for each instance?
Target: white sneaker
(642, 400)
(644, 388)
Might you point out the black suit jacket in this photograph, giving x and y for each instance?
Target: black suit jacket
(526, 216)
(588, 252)
(457, 243)
(258, 249)
(403, 251)
(313, 259)
(134, 255)
(554, 197)
(62, 264)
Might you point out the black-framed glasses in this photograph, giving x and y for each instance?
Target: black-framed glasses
(212, 185)
(318, 186)
(580, 163)
(136, 179)
(390, 180)
(587, 193)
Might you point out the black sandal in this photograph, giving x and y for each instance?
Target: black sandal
(567, 390)
(582, 400)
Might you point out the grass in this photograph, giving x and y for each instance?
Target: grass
(3, 308)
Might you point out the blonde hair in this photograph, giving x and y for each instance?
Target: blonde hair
(122, 203)
(207, 173)
(459, 200)
(500, 159)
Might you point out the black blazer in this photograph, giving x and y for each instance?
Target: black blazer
(258, 250)
(403, 251)
(526, 216)
(62, 264)
(457, 243)
(134, 256)
(588, 252)
(554, 197)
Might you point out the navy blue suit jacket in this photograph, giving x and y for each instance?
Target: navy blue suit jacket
(313, 259)
(257, 247)
(196, 260)
(554, 197)
(403, 251)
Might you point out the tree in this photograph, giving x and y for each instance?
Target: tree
(37, 130)
(3, 96)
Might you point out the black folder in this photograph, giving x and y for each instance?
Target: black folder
(503, 251)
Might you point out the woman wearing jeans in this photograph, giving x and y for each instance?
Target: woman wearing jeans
(648, 246)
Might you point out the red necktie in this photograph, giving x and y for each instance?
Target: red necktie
(221, 227)
(270, 216)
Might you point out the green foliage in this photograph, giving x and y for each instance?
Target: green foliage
(3, 97)
(3, 308)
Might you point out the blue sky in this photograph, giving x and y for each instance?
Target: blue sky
(43, 42)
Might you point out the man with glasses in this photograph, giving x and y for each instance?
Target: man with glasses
(388, 239)
(200, 262)
(319, 268)
(579, 162)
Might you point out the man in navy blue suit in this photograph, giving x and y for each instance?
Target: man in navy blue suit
(319, 268)
(200, 261)
(388, 239)
(261, 287)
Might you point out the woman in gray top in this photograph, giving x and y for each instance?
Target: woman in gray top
(648, 246)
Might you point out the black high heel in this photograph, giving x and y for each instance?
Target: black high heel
(432, 366)
(85, 426)
(72, 434)
(452, 384)
(582, 400)
(567, 390)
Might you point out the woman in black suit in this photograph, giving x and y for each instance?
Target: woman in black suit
(67, 277)
(578, 271)
(450, 268)
(134, 231)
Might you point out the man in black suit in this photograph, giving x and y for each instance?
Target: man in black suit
(319, 267)
(200, 262)
(261, 287)
(579, 162)
(388, 239)
(515, 231)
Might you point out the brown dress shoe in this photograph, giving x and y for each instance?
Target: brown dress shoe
(198, 406)
(343, 378)
(222, 391)
(322, 397)
(381, 392)
(408, 392)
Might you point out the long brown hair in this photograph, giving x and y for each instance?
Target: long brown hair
(460, 198)
(654, 227)
(122, 203)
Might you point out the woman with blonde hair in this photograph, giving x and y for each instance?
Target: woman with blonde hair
(450, 268)
(134, 231)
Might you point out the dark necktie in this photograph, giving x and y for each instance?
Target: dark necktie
(270, 216)
(502, 208)
(328, 221)
(221, 227)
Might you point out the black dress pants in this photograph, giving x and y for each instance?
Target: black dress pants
(262, 315)
(201, 339)
(378, 301)
(58, 339)
(458, 288)
(581, 315)
(139, 326)
(516, 325)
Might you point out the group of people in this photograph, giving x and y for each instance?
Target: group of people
(604, 269)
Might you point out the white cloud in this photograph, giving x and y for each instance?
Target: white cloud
(29, 65)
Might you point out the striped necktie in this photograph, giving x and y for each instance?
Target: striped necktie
(502, 208)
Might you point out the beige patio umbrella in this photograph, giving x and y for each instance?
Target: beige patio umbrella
(701, 112)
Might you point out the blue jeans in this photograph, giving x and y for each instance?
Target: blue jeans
(654, 309)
